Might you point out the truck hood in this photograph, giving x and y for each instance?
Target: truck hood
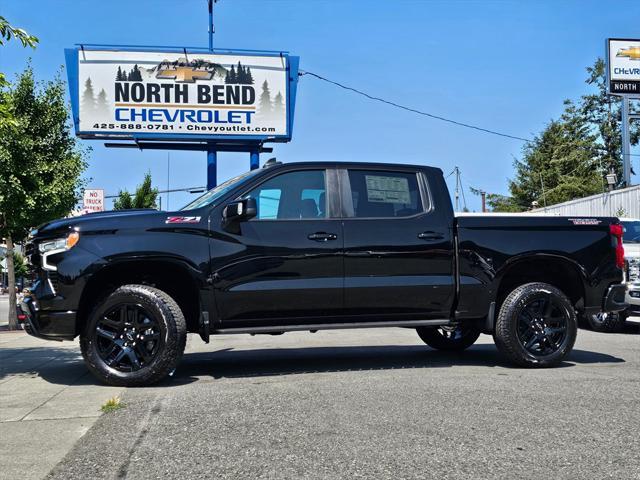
(100, 220)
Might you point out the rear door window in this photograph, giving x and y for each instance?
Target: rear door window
(385, 194)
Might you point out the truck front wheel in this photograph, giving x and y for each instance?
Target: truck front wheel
(134, 337)
(454, 338)
(536, 326)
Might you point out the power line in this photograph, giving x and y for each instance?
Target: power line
(426, 114)
(409, 109)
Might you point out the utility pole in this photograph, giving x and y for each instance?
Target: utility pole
(483, 195)
(457, 190)
(168, 177)
(544, 197)
(212, 154)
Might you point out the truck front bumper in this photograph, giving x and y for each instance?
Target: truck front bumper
(614, 300)
(49, 324)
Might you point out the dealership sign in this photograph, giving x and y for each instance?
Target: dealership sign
(185, 94)
(623, 66)
(93, 200)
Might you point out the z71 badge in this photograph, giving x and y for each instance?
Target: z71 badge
(182, 220)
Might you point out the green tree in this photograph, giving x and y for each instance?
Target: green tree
(145, 196)
(7, 32)
(560, 164)
(604, 113)
(19, 265)
(571, 156)
(40, 162)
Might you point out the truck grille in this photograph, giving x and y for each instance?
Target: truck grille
(633, 269)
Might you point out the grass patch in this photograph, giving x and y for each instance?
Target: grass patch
(113, 404)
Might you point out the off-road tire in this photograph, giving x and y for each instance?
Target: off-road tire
(463, 338)
(173, 334)
(506, 336)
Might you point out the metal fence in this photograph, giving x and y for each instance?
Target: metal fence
(622, 203)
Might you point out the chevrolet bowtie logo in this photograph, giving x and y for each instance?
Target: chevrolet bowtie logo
(184, 74)
(632, 52)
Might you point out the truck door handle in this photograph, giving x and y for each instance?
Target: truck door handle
(430, 236)
(322, 236)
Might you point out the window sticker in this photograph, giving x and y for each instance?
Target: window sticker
(387, 189)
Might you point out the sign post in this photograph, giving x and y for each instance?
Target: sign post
(623, 79)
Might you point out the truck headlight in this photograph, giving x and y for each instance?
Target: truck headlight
(57, 245)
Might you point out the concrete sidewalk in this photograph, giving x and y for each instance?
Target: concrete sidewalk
(48, 400)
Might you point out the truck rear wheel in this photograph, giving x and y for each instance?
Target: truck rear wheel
(454, 338)
(134, 337)
(607, 322)
(536, 326)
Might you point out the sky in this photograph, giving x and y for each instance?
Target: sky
(501, 65)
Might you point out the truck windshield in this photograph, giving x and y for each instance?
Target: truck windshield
(215, 193)
(631, 232)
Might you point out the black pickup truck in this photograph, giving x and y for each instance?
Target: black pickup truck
(311, 246)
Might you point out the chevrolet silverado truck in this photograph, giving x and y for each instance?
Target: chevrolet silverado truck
(311, 246)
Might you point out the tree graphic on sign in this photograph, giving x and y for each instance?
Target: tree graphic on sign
(265, 108)
(88, 99)
(278, 106)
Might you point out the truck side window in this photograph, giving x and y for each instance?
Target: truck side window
(291, 196)
(380, 194)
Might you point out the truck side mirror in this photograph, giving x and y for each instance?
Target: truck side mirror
(238, 211)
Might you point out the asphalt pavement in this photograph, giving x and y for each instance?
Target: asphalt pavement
(373, 404)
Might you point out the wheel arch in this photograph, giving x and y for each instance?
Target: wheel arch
(561, 272)
(175, 277)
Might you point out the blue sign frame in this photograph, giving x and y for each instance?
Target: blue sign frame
(72, 57)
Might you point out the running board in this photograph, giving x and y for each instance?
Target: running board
(334, 326)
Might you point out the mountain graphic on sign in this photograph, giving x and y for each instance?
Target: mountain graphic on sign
(183, 70)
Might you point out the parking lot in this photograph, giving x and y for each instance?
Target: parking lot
(335, 404)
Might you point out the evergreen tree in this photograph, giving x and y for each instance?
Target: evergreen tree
(119, 75)
(88, 100)
(232, 76)
(249, 77)
(145, 196)
(604, 113)
(563, 158)
(264, 104)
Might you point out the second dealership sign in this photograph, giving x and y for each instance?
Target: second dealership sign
(623, 66)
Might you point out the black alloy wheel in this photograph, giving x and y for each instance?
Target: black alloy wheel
(536, 325)
(128, 337)
(134, 337)
(542, 325)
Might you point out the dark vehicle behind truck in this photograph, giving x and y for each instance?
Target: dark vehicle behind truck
(310, 246)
